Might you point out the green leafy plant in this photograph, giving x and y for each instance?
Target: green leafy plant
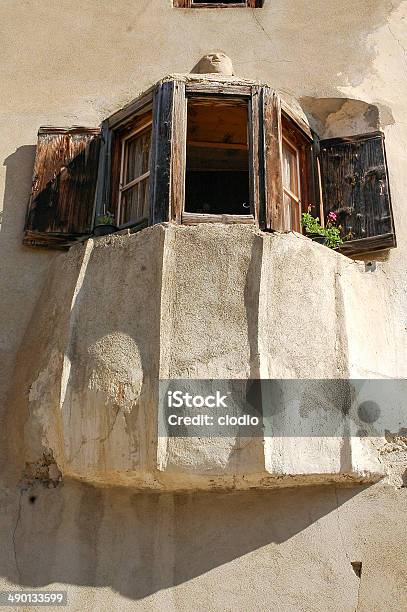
(311, 224)
(106, 219)
(331, 232)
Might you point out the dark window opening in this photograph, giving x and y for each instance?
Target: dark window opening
(217, 170)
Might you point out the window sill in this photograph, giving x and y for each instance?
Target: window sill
(195, 218)
(128, 228)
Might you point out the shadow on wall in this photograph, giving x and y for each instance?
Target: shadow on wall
(141, 543)
(22, 270)
(19, 170)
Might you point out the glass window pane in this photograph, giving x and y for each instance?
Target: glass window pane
(137, 156)
(135, 202)
(290, 175)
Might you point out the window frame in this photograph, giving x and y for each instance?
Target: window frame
(110, 162)
(300, 138)
(190, 4)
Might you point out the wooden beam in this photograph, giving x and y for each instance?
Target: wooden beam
(178, 151)
(256, 199)
(125, 113)
(195, 218)
(273, 182)
(217, 145)
(160, 163)
(217, 87)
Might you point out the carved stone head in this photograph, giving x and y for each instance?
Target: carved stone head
(217, 63)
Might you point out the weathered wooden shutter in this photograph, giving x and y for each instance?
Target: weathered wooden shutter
(356, 186)
(62, 199)
(270, 185)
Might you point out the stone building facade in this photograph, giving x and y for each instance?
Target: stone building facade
(97, 501)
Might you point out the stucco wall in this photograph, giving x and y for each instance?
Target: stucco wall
(203, 302)
(289, 550)
(74, 63)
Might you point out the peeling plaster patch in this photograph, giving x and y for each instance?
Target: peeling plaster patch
(335, 117)
(116, 369)
(354, 117)
(396, 441)
(41, 428)
(44, 471)
(392, 450)
(45, 379)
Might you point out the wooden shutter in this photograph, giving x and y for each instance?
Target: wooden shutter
(356, 186)
(168, 152)
(62, 199)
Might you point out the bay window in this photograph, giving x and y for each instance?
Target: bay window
(196, 150)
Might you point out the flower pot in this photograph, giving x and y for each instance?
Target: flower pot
(316, 238)
(103, 230)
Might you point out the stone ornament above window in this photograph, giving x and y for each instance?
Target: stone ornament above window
(218, 3)
(214, 63)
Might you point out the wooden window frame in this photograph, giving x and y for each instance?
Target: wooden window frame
(218, 4)
(114, 130)
(301, 142)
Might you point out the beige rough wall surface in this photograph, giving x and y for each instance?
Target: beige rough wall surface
(74, 63)
(209, 301)
(289, 550)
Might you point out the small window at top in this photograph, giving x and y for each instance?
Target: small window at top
(217, 169)
(244, 2)
(218, 3)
